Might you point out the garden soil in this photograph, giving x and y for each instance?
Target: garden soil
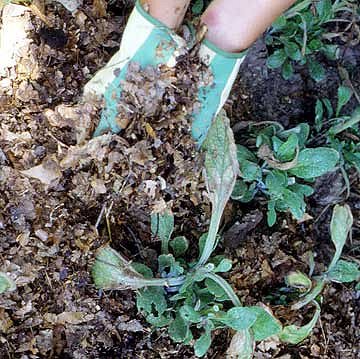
(63, 195)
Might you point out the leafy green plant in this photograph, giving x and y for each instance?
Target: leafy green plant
(191, 299)
(339, 271)
(282, 169)
(301, 33)
(341, 132)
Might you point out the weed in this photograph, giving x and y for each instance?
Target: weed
(339, 271)
(191, 299)
(301, 33)
(282, 169)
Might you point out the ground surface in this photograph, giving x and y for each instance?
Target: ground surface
(48, 233)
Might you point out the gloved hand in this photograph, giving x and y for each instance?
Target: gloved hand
(147, 41)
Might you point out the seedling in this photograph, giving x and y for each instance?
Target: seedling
(191, 299)
(282, 169)
(6, 283)
(339, 271)
(340, 131)
(301, 33)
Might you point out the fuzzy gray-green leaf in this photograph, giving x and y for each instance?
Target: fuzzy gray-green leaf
(344, 272)
(314, 162)
(340, 226)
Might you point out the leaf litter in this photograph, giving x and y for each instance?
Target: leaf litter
(55, 180)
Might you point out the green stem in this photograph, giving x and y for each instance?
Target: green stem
(226, 287)
(211, 238)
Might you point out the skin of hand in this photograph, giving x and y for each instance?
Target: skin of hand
(233, 25)
(169, 12)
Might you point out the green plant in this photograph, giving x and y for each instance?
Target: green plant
(341, 132)
(339, 271)
(301, 33)
(282, 169)
(191, 299)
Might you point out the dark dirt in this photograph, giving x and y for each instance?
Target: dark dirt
(48, 233)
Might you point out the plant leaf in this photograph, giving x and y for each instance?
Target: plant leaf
(178, 329)
(319, 115)
(314, 162)
(276, 59)
(179, 245)
(112, 271)
(353, 120)
(344, 96)
(221, 170)
(340, 227)
(294, 335)
(298, 280)
(239, 318)
(344, 272)
(266, 325)
(287, 151)
(317, 71)
(310, 296)
(189, 314)
(242, 345)
(162, 226)
(6, 283)
(224, 266)
(203, 344)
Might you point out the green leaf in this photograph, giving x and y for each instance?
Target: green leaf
(324, 10)
(162, 226)
(319, 115)
(224, 266)
(344, 96)
(330, 51)
(276, 181)
(239, 318)
(294, 203)
(198, 7)
(353, 120)
(340, 227)
(6, 283)
(279, 23)
(112, 271)
(168, 261)
(271, 214)
(302, 189)
(152, 303)
(309, 297)
(302, 131)
(344, 272)
(328, 106)
(298, 280)
(317, 71)
(250, 171)
(294, 335)
(245, 154)
(293, 51)
(216, 290)
(277, 59)
(287, 70)
(189, 314)
(287, 150)
(203, 344)
(314, 162)
(266, 325)
(221, 169)
(242, 345)
(242, 192)
(178, 329)
(179, 245)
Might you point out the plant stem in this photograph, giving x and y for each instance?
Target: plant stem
(226, 287)
(211, 238)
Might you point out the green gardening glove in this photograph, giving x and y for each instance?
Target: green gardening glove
(145, 41)
(212, 96)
